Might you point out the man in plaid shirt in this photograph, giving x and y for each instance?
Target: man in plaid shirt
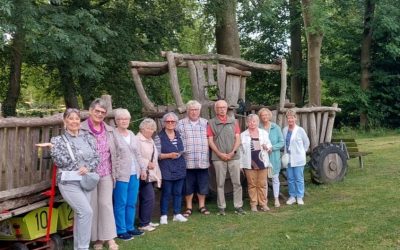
(193, 130)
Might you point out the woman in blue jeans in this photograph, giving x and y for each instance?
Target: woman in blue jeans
(128, 170)
(296, 145)
(173, 167)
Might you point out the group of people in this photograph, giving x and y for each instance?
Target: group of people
(176, 160)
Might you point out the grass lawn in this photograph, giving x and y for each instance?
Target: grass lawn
(362, 212)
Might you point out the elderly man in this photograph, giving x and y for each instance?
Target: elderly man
(224, 140)
(193, 130)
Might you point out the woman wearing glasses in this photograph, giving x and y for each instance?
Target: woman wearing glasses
(103, 226)
(85, 159)
(173, 167)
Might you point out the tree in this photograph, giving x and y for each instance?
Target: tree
(20, 21)
(365, 53)
(226, 29)
(314, 36)
(296, 55)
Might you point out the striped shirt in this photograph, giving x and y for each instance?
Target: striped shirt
(194, 138)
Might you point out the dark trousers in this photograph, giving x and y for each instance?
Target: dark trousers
(171, 189)
(146, 202)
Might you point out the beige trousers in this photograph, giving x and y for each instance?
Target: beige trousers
(221, 168)
(103, 226)
(257, 186)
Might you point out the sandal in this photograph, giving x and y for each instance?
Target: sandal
(187, 212)
(98, 246)
(112, 245)
(204, 210)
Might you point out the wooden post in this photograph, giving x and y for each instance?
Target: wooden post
(324, 124)
(141, 92)
(313, 131)
(193, 80)
(282, 96)
(221, 79)
(331, 121)
(201, 81)
(232, 90)
(242, 90)
(173, 80)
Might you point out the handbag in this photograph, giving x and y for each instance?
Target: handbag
(89, 180)
(285, 160)
(152, 173)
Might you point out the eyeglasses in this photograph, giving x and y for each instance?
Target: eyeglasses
(99, 112)
(170, 122)
(221, 107)
(72, 110)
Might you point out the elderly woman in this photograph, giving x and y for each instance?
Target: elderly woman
(255, 146)
(127, 172)
(84, 159)
(296, 145)
(276, 138)
(149, 155)
(103, 226)
(173, 167)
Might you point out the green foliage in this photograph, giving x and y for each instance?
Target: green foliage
(263, 34)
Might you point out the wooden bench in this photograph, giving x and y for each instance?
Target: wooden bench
(350, 146)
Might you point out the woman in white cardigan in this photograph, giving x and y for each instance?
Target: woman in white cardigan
(296, 145)
(255, 146)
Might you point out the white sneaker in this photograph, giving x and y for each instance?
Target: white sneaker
(147, 228)
(291, 201)
(179, 218)
(164, 220)
(300, 201)
(154, 224)
(277, 204)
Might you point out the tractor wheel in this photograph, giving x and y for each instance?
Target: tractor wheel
(328, 163)
(56, 242)
(19, 246)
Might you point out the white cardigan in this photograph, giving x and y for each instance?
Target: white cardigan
(245, 150)
(299, 144)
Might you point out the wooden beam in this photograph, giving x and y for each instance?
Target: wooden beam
(140, 90)
(282, 96)
(23, 191)
(247, 65)
(173, 80)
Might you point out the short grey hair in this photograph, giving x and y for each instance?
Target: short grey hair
(148, 123)
(193, 103)
(98, 102)
(119, 113)
(266, 110)
(252, 117)
(169, 114)
(291, 112)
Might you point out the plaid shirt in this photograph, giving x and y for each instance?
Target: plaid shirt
(194, 138)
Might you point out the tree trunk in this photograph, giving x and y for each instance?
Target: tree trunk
(314, 42)
(226, 30)
(14, 87)
(69, 89)
(296, 85)
(365, 54)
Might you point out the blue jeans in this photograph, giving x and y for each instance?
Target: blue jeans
(174, 189)
(125, 198)
(295, 177)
